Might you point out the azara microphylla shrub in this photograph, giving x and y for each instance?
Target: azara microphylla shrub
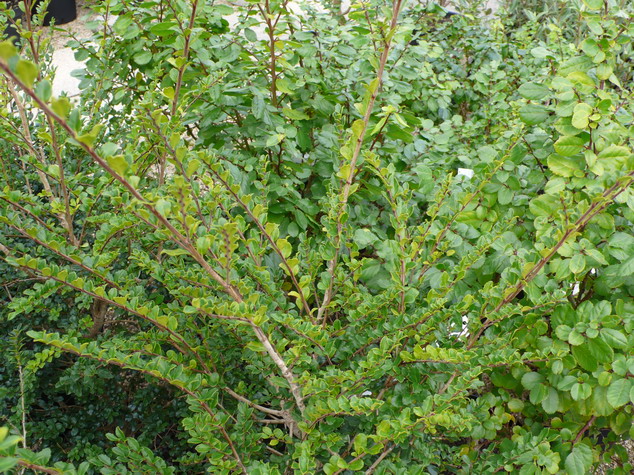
(281, 238)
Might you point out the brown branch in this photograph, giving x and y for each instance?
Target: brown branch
(583, 430)
(270, 26)
(181, 70)
(396, 7)
(268, 237)
(98, 311)
(376, 463)
(38, 468)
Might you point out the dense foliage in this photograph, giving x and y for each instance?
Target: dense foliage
(281, 239)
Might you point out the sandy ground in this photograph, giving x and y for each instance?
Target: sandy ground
(77, 27)
(63, 57)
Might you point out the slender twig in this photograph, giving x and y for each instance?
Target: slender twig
(583, 430)
(345, 194)
(376, 463)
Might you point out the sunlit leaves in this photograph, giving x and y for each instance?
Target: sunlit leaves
(566, 166)
(581, 115)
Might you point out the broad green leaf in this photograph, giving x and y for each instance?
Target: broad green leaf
(590, 47)
(142, 58)
(577, 264)
(54, 170)
(505, 195)
(285, 247)
(565, 166)
(258, 106)
(544, 205)
(7, 463)
(604, 71)
(593, 4)
(294, 114)
(285, 86)
(582, 81)
(551, 402)
(541, 52)
(118, 163)
(575, 338)
(575, 64)
(250, 35)
(26, 71)
(626, 268)
(61, 107)
(555, 186)
(531, 380)
(532, 114)
(599, 402)
(584, 357)
(44, 90)
(569, 145)
(357, 127)
(163, 207)
(579, 460)
(614, 152)
(516, 405)
(581, 114)
(538, 393)
(7, 50)
(274, 140)
(562, 332)
(533, 91)
(580, 391)
(364, 237)
(614, 338)
(604, 378)
(619, 392)
(597, 256)
(108, 149)
(601, 351)
(174, 252)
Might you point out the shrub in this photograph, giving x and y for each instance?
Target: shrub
(303, 242)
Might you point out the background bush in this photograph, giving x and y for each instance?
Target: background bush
(305, 241)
